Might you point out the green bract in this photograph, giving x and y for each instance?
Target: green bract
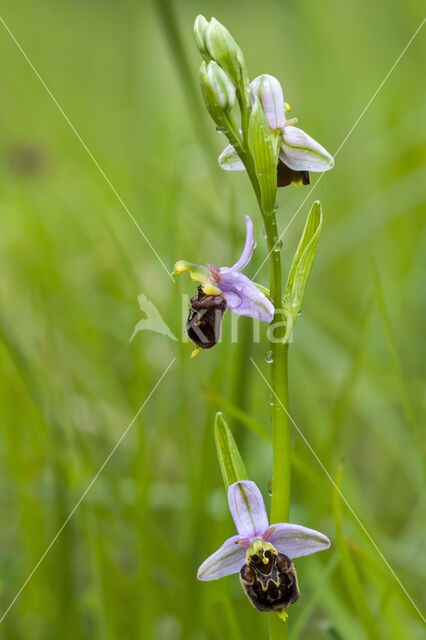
(230, 460)
(263, 145)
(301, 268)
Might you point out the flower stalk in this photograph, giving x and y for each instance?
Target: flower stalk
(281, 454)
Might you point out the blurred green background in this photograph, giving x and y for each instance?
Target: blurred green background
(72, 266)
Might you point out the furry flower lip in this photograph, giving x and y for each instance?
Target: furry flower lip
(261, 553)
(224, 288)
(299, 153)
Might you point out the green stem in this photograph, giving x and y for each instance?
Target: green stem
(279, 382)
(280, 511)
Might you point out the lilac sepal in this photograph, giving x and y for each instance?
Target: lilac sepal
(244, 298)
(300, 152)
(294, 540)
(249, 514)
(242, 295)
(225, 561)
(249, 247)
(247, 509)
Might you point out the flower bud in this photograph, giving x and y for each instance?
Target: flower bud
(200, 32)
(224, 50)
(270, 94)
(217, 88)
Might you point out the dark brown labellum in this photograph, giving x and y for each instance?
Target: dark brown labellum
(272, 586)
(205, 319)
(286, 176)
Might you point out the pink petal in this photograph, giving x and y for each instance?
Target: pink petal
(294, 540)
(300, 152)
(227, 560)
(268, 89)
(247, 509)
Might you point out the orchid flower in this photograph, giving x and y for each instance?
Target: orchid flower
(261, 552)
(299, 153)
(242, 296)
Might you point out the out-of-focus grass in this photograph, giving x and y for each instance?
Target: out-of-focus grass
(73, 263)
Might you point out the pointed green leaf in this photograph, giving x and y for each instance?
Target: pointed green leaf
(263, 145)
(230, 460)
(301, 268)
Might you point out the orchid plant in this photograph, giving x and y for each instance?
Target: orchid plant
(274, 153)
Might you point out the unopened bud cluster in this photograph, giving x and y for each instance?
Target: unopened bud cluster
(263, 142)
(223, 72)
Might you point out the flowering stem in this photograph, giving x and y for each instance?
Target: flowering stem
(279, 384)
(278, 349)
(280, 422)
(279, 375)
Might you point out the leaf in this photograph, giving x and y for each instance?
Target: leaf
(230, 460)
(354, 586)
(263, 148)
(301, 268)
